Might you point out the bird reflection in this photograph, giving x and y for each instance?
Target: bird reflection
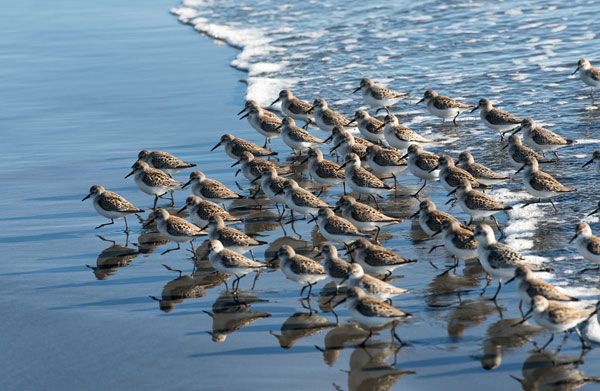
(444, 288)
(338, 338)
(369, 369)
(112, 258)
(179, 289)
(231, 312)
(301, 325)
(149, 241)
(551, 371)
(503, 334)
(469, 313)
(301, 247)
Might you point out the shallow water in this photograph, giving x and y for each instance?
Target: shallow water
(91, 85)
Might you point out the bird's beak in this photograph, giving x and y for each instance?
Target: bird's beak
(452, 192)
(148, 222)
(511, 280)
(185, 184)
(244, 116)
(130, 174)
(404, 157)
(434, 168)
(305, 160)
(244, 109)
(309, 110)
(236, 163)
(279, 127)
(328, 139)
(379, 127)
(520, 169)
(311, 220)
(412, 216)
(573, 238)
(237, 172)
(517, 130)
(574, 72)
(351, 122)
(86, 197)
(216, 146)
(504, 147)
(588, 163)
(475, 108)
(436, 233)
(182, 209)
(275, 101)
(342, 167)
(467, 241)
(595, 211)
(256, 179)
(356, 90)
(421, 101)
(334, 148)
(340, 302)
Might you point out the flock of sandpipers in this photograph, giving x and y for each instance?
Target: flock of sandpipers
(357, 225)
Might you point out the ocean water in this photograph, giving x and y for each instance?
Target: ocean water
(88, 85)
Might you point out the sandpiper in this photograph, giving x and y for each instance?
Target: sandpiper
(431, 219)
(369, 127)
(385, 161)
(517, 152)
(540, 138)
(587, 244)
(174, 228)
(227, 261)
(591, 327)
(301, 200)
(268, 125)
(152, 181)
(379, 97)
(361, 180)
(540, 184)
(231, 238)
(339, 131)
(253, 167)
(337, 229)
(347, 144)
(163, 161)
(558, 317)
(299, 268)
(325, 118)
(235, 146)
(528, 287)
(294, 107)
(272, 185)
(476, 204)
(296, 137)
(399, 136)
(589, 74)
(363, 216)
(375, 259)
(496, 119)
(421, 163)
(499, 260)
(372, 286)
(111, 205)
(325, 172)
(595, 159)
(442, 106)
(371, 313)
(336, 268)
(457, 241)
(479, 171)
(451, 176)
(210, 189)
(202, 210)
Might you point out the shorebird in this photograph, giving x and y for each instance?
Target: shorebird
(296, 137)
(371, 313)
(272, 185)
(595, 159)
(253, 167)
(301, 200)
(558, 317)
(421, 163)
(336, 268)
(375, 259)
(540, 184)
(299, 268)
(210, 189)
(528, 287)
(369, 127)
(339, 131)
(231, 238)
(476, 204)
(479, 171)
(325, 118)
(294, 107)
(451, 176)
(589, 74)
(458, 242)
(540, 138)
(496, 119)
(111, 205)
(379, 97)
(361, 180)
(517, 152)
(384, 162)
(347, 144)
(325, 172)
(227, 261)
(591, 327)
(336, 229)
(363, 216)
(499, 260)
(399, 136)
(152, 181)
(372, 286)
(265, 123)
(587, 244)
(202, 210)
(442, 106)
(163, 161)
(175, 228)
(431, 219)
(235, 147)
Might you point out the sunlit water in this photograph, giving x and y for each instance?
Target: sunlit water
(85, 94)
